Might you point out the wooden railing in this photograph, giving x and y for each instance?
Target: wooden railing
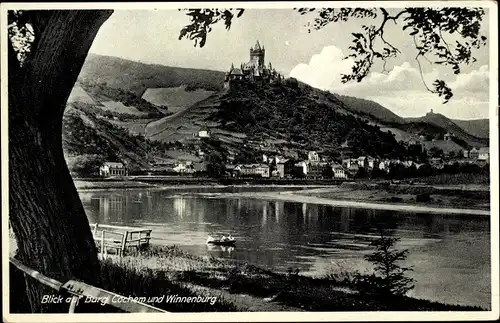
(77, 290)
(119, 238)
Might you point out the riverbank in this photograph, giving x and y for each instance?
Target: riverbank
(349, 201)
(245, 287)
(467, 197)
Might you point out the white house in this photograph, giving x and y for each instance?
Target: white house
(313, 156)
(112, 169)
(204, 134)
(184, 168)
(484, 154)
(339, 172)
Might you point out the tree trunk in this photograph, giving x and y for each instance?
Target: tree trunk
(46, 214)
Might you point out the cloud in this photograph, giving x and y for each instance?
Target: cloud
(476, 81)
(324, 69)
(400, 89)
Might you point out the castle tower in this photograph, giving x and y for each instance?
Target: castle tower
(257, 55)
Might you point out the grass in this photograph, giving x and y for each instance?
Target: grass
(168, 270)
(329, 293)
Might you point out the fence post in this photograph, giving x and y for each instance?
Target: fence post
(95, 228)
(124, 242)
(72, 305)
(103, 247)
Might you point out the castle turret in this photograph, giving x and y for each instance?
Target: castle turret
(257, 55)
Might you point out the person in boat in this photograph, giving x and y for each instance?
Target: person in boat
(223, 239)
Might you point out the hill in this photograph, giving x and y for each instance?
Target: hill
(371, 109)
(439, 120)
(88, 140)
(136, 77)
(279, 117)
(477, 127)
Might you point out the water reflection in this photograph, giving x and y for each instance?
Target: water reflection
(269, 233)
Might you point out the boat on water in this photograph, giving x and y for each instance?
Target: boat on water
(222, 241)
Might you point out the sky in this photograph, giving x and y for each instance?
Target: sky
(316, 58)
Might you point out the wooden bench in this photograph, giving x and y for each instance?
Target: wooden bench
(119, 238)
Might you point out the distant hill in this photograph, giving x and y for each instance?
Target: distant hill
(371, 108)
(477, 127)
(136, 77)
(439, 120)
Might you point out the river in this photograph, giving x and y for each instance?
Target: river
(450, 254)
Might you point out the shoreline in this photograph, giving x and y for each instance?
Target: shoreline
(287, 197)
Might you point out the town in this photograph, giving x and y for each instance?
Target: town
(316, 166)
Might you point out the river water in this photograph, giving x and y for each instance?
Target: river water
(450, 254)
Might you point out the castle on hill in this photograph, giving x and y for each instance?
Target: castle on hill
(253, 71)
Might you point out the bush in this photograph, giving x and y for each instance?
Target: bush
(389, 278)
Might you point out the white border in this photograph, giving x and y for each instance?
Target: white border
(263, 316)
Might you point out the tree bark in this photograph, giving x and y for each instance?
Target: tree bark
(46, 214)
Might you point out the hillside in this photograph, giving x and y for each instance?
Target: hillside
(478, 127)
(439, 120)
(136, 77)
(279, 117)
(89, 140)
(371, 108)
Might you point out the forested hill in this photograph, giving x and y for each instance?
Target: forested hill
(372, 109)
(136, 77)
(287, 114)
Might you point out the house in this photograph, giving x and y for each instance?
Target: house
(339, 172)
(372, 162)
(301, 167)
(184, 168)
(315, 169)
(254, 170)
(484, 154)
(313, 156)
(285, 168)
(474, 153)
(108, 169)
(466, 154)
(204, 134)
(363, 162)
(437, 162)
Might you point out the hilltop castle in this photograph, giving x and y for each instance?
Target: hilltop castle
(253, 71)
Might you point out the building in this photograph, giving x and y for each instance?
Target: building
(339, 172)
(285, 168)
(484, 154)
(466, 154)
(204, 134)
(313, 156)
(301, 168)
(254, 170)
(448, 136)
(363, 162)
(316, 170)
(184, 168)
(474, 153)
(108, 169)
(253, 71)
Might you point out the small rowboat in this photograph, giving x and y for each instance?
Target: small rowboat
(224, 241)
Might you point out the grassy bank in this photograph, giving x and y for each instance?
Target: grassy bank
(160, 268)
